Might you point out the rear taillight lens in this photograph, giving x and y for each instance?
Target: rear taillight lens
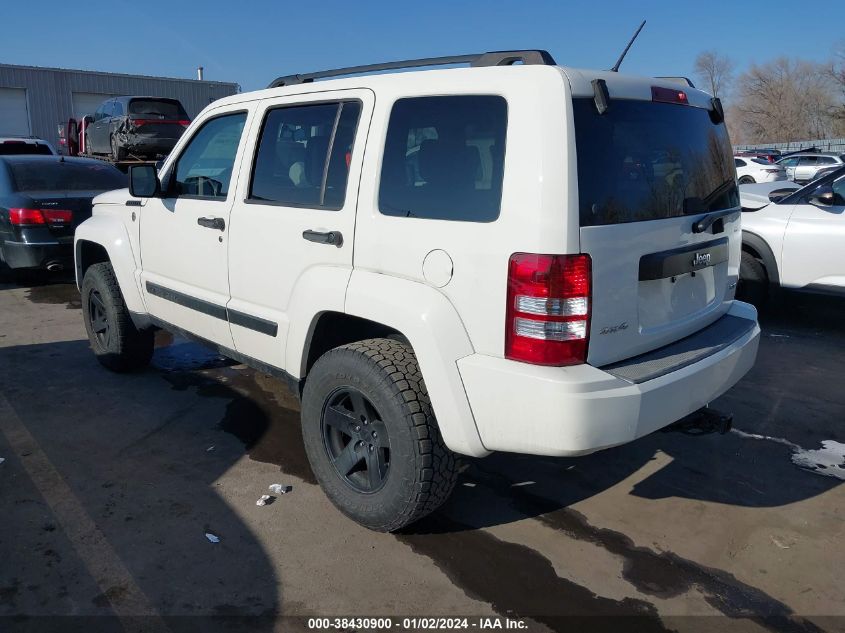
(20, 217)
(548, 309)
(140, 122)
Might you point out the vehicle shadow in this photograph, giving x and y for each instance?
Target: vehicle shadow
(142, 464)
(792, 397)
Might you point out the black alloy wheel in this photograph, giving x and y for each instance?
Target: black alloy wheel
(356, 440)
(98, 319)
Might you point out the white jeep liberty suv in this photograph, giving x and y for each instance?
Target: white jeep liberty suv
(506, 257)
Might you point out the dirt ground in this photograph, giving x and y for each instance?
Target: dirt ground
(111, 483)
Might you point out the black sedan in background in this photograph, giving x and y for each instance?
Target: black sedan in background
(42, 200)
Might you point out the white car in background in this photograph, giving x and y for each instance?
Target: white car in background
(751, 170)
(803, 168)
(792, 237)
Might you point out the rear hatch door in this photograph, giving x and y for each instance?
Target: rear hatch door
(648, 173)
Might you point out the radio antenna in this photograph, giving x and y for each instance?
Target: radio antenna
(618, 63)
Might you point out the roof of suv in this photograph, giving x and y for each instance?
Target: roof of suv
(620, 85)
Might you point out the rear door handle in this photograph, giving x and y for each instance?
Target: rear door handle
(212, 223)
(334, 238)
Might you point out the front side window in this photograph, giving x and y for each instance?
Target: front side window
(304, 154)
(444, 158)
(789, 162)
(205, 166)
(839, 192)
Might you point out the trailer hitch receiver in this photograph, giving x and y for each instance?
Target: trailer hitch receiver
(702, 422)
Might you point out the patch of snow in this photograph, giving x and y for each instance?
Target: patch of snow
(828, 460)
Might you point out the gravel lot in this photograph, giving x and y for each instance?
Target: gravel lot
(110, 484)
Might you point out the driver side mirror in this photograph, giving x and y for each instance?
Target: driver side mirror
(823, 196)
(144, 182)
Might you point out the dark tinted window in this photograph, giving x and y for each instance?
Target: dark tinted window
(826, 160)
(205, 166)
(291, 165)
(65, 176)
(444, 157)
(18, 147)
(646, 161)
(808, 160)
(168, 108)
(739, 163)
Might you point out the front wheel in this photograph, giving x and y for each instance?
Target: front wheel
(747, 180)
(117, 343)
(371, 436)
(753, 283)
(117, 152)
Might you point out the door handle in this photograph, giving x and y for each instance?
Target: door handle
(334, 238)
(212, 223)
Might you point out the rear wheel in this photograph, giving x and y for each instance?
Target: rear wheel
(116, 342)
(371, 436)
(753, 283)
(747, 180)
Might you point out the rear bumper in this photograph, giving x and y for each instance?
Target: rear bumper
(582, 409)
(19, 255)
(147, 145)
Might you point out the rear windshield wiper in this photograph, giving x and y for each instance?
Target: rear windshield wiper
(707, 221)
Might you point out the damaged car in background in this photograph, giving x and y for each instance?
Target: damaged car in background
(139, 128)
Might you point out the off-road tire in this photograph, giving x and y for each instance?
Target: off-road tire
(127, 348)
(747, 180)
(753, 283)
(422, 470)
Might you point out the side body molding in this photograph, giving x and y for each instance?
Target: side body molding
(109, 232)
(429, 321)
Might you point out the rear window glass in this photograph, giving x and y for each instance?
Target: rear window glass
(443, 158)
(647, 161)
(66, 176)
(14, 148)
(167, 108)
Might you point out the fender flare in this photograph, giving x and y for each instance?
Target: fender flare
(431, 324)
(109, 233)
(765, 251)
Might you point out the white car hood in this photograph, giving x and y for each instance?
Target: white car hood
(757, 196)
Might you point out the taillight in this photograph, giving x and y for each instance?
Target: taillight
(668, 95)
(548, 311)
(140, 122)
(21, 217)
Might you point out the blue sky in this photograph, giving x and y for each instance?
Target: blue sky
(252, 42)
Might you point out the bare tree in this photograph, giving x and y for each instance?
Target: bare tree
(787, 100)
(715, 71)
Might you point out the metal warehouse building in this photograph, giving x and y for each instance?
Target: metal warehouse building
(37, 101)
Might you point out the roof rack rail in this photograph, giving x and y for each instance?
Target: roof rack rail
(492, 58)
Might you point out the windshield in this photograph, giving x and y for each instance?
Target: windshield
(66, 176)
(642, 160)
(167, 108)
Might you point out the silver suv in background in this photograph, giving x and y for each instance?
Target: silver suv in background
(807, 167)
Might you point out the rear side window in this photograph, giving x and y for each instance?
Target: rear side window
(167, 108)
(204, 168)
(66, 175)
(19, 147)
(304, 155)
(643, 160)
(444, 158)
